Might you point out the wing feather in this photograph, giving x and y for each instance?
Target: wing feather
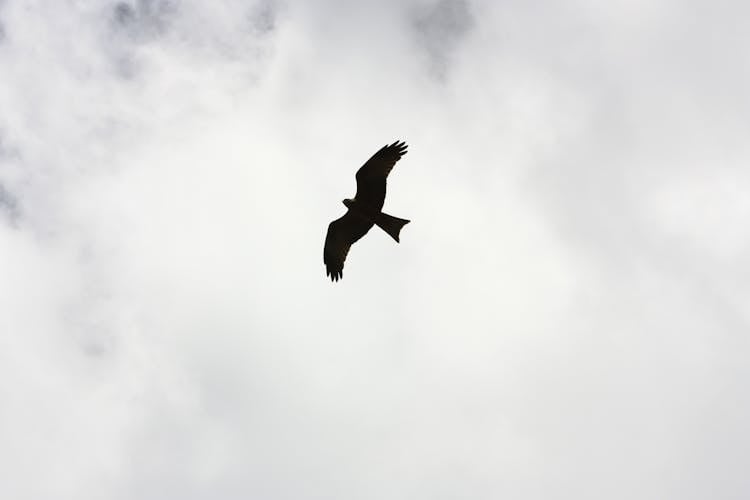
(342, 233)
(371, 177)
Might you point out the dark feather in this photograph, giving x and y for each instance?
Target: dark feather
(371, 177)
(342, 233)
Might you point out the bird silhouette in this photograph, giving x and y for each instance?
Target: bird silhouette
(364, 210)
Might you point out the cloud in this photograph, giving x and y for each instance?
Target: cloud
(565, 315)
(439, 28)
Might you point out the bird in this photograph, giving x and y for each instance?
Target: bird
(364, 210)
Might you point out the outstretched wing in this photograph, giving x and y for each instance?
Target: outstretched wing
(371, 176)
(342, 233)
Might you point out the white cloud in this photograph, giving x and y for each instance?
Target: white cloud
(565, 317)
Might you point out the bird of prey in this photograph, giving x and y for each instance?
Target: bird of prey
(364, 210)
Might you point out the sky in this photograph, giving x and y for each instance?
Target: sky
(567, 316)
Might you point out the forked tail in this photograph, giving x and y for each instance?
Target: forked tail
(390, 224)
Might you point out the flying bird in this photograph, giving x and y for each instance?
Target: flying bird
(364, 210)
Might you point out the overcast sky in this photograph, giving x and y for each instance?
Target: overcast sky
(567, 315)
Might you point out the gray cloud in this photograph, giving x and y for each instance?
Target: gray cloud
(440, 27)
(9, 205)
(144, 18)
(8, 202)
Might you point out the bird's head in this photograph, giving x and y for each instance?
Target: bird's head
(348, 202)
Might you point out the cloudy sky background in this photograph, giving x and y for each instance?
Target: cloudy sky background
(567, 315)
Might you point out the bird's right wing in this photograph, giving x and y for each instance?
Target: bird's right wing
(342, 233)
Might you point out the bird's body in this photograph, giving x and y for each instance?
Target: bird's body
(364, 210)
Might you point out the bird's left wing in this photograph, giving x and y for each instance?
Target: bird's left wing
(342, 233)
(372, 175)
